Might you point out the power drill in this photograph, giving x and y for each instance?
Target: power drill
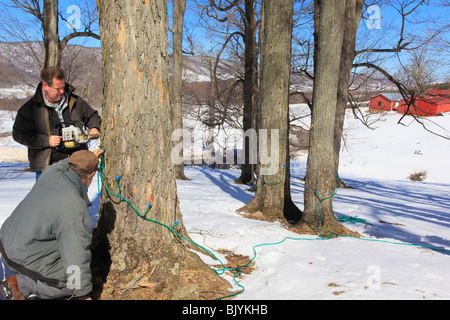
(71, 136)
(75, 134)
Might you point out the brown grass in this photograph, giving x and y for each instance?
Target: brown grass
(418, 176)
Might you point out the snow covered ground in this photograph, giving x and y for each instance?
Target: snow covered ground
(391, 261)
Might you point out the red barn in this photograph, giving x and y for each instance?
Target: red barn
(442, 93)
(431, 104)
(385, 102)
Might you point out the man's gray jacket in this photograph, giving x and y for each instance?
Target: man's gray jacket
(48, 235)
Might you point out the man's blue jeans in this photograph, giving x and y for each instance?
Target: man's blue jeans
(38, 174)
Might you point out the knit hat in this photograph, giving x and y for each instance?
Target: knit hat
(86, 160)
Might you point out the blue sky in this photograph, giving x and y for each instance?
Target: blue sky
(383, 35)
(68, 8)
(421, 24)
(71, 10)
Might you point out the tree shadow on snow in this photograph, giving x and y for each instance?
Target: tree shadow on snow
(225, 181)
(394, 207)
(399, 211)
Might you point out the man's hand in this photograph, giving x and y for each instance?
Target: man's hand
(98, 152)
(54, 141)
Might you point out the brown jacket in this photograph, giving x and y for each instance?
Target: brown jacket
(35, 123)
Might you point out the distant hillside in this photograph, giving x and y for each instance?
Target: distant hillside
(20, 69)
(17, 63)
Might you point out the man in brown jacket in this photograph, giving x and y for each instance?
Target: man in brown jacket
(37, 120)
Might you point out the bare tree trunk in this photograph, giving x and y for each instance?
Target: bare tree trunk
(250, 94)
(52, 52)
(272, 198)
(320, 182)
(136, 131)
(353, 13)
(179, 7)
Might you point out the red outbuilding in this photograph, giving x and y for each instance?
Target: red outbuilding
(431, 104)
(385, 102)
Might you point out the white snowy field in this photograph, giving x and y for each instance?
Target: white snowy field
(392, 260)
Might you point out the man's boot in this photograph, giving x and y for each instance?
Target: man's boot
(9, 289)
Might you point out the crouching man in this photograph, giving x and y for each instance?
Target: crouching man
(46, 240)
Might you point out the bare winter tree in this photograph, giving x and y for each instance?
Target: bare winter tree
(52, 55)
(420, 71)
(129, 248)
(272, 199)
(49, 17)
(372, 56)
(179, 7)
(216, 101)
(320, 183)
(353, 11)
(247, 26)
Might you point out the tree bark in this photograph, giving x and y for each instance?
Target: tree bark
(353, 13)
(136, 131)
(320, 181)
(272, 199)
(52, 52)
(179, 7)
(250, 90)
